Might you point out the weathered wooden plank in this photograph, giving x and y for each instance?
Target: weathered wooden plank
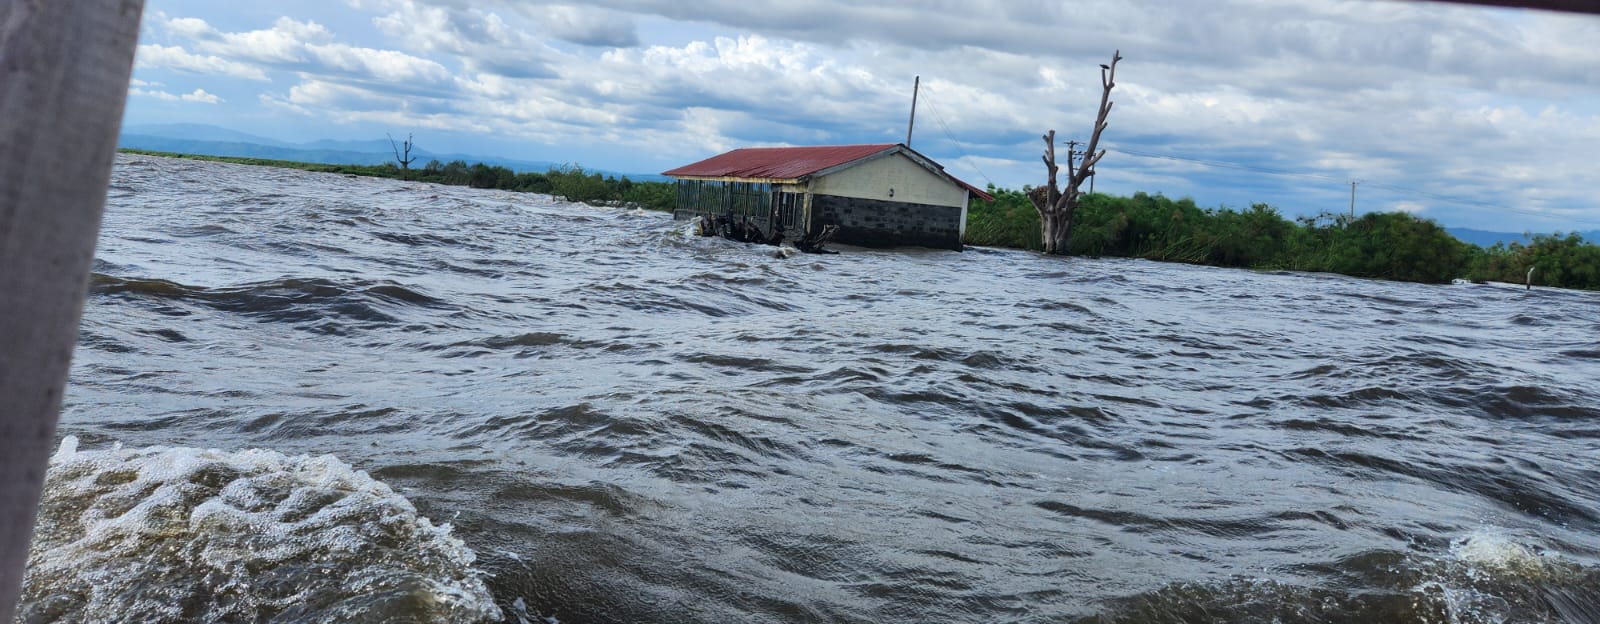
(64, 69)
(1576, 6)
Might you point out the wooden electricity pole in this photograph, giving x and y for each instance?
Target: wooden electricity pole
(64, 69)
(1352, 201)
(916, 86)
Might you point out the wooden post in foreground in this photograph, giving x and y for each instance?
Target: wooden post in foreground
(64, 69)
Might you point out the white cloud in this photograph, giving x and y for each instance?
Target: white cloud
(160, 95)
(1445, 101)
(198, 95)
(739, 75)
(302, 46)
(589, 26)
(277, 102)
(285, 43)
(313, 94)
(187, 27)
(481, 40)
(157, 56)
(386, 66)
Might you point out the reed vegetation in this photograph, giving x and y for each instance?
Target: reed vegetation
(1383, 245)
(572, 183)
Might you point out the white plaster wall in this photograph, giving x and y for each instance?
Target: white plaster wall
(910, 181)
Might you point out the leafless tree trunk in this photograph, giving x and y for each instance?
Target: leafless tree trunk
(64, 70)
(405, 159)
(1056, 206)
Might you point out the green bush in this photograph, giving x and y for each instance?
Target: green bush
(1394, 245)
(571, 183)
(1565, 261)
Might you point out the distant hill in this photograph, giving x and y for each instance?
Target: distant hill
(252, 150)
(215, 141)
(199, 132)
(1484, 238)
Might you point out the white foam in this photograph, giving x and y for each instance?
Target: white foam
(691, 228)
(69, 447)
(1493, 551)
(182, 534)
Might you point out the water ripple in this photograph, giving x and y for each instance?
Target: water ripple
(627, 423)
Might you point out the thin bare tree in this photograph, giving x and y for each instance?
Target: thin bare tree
(402, 155)
(1057, 206)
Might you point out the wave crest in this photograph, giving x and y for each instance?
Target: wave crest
(182, 534)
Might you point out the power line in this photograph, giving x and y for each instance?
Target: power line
(959, 146)
(1228, 165)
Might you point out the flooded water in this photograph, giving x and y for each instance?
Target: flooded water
(540, 410)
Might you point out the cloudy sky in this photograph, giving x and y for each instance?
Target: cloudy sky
(1475, 117)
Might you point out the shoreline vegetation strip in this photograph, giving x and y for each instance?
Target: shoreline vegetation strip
(1380, 245)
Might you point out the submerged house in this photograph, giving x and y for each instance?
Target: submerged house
(881, 195)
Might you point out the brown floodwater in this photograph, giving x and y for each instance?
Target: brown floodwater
(623, 423)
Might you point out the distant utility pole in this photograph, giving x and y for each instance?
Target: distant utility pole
(1353, 184)
(911, 125)
(1073, 154)
(1076, 154)
(1091, 171)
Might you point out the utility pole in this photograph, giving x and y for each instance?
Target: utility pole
(1076, 154)
(1353, 200)
(1091, 174)
(911, 125)
(1072, 157)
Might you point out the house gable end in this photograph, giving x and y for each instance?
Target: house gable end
(892, 176)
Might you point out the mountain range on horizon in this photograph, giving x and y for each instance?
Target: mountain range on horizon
(1485, 238)
(203, 139)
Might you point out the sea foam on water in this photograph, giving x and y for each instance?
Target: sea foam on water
(1491, 551)
(182, 534)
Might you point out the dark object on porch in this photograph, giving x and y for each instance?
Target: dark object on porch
(882, 195)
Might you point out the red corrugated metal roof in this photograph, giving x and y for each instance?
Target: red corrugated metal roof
(790, 163)
(777, 163)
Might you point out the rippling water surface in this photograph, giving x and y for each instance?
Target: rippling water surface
(624, 423)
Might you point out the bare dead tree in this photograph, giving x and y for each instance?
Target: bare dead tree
(402, 155)
(1057, 206)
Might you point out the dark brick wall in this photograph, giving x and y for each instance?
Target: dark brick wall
(878, 223)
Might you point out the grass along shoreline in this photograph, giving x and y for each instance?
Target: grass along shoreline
(571, 183)
(1379, 245)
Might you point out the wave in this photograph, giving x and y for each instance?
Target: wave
(184, 535)
(1485, 577)
(717, 435)
(287, 299)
